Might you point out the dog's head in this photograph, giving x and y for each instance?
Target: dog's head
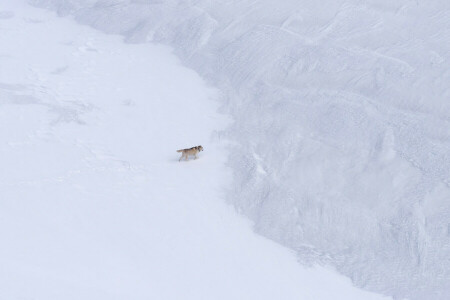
(200, 148)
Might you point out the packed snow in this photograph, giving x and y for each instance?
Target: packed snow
(340, 134)
(93, 201)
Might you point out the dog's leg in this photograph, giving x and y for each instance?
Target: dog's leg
(195, 156)
(181, 157)
(187, 156)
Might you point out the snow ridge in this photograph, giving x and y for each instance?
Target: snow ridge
(342, 118)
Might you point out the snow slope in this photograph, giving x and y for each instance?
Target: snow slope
(342, 117)
(93, 201)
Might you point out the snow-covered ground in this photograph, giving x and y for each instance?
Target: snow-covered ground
(341, 126)
(93, 201)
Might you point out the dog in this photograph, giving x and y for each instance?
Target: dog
(191, 151)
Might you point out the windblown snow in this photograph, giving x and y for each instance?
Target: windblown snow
(93, 201)
(339, 145)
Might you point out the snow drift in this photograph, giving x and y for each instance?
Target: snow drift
(93, 201)
(342, 118)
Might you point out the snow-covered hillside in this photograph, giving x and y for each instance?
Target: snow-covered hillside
(341, 115)
(93, 201)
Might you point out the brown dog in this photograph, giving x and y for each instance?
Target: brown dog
(191, 151)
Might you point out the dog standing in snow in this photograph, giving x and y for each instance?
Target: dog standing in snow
(191, 151)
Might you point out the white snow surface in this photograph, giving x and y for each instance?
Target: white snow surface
(93, 201)
(341, 122)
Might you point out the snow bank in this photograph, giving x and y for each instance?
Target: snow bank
(93, 201)
(342, 119)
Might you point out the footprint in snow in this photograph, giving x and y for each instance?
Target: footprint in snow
(6, 15)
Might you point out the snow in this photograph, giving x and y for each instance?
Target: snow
(340, 130)
(93, 201)
(341, 117)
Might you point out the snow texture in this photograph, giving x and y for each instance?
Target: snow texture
(341, 130)
(93, 201)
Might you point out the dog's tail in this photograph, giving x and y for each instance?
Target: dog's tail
(180, 150)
